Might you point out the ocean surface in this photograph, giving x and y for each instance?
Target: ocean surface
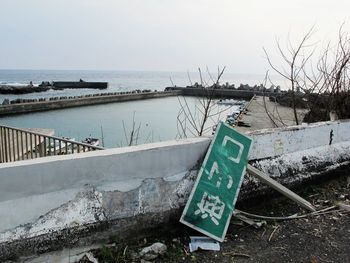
(117, 80)
(155, 118)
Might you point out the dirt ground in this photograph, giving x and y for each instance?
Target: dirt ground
(313, 239)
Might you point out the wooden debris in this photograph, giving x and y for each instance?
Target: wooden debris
(280, 188)
(344, 206)
(249, 221)
(234, 254)
(273, 232)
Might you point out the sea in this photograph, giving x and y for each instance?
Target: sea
(154, 119)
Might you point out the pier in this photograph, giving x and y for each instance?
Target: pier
(55, 85)
(46, 105)
(217, 93)
(262, 113)
(21, 106)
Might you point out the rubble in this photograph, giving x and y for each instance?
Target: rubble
(153, 251)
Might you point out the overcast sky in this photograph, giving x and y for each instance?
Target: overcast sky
(177, 35)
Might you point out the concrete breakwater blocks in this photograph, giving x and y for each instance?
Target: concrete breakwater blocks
(64, 201)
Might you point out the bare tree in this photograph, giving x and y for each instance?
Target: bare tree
(132, 137)
(334, 69)
(193, 120)
(295, 58)
(326, 86)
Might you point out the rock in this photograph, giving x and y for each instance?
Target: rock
(88, 257)
(176, 240)
(153, 251)
(134, 255)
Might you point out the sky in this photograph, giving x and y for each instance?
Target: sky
(159, 35)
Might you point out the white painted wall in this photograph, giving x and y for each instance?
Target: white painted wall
(29, 189)
(56, 173)
(274, 142)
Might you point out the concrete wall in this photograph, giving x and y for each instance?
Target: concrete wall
(274, 142)
(68, 103)
(27, 182)
(54, 202)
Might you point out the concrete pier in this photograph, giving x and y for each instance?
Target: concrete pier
(216, 93)
(265, 114)
(22, 108)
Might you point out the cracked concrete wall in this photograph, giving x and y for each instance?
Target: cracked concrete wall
(93, 206)
(122, 190)
(274, 142)
(29, 189)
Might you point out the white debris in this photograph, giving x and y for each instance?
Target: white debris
(153, 251)
(344, 206)
(204, 243)
(90, 257)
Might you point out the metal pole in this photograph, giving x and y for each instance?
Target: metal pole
(54, 146)
(13, 146)
(27, 148)
(49, 146)
(17, 142)
(2, 142)
(31, 145)
(45, 147)
(22, 144)
(8, 153)
(4, 146)
(60, 148)
(35, 147)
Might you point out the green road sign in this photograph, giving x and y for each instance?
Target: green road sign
(213, 197)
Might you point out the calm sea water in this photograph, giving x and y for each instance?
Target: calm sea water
(157, 118)
(118, 80)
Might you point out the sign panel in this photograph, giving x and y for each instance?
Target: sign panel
(211, 203)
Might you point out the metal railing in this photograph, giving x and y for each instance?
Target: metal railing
(19, 144)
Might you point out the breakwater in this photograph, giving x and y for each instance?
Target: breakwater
(77, 85)
(7, 89)
(218, 93)
(66, 102)
(20, 106)
(55, 85)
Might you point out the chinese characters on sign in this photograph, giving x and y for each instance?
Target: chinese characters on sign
(211, 203)
(208, 206)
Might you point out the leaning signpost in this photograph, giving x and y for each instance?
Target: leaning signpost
(213, 197)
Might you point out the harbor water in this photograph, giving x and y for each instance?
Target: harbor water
(154, 119)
